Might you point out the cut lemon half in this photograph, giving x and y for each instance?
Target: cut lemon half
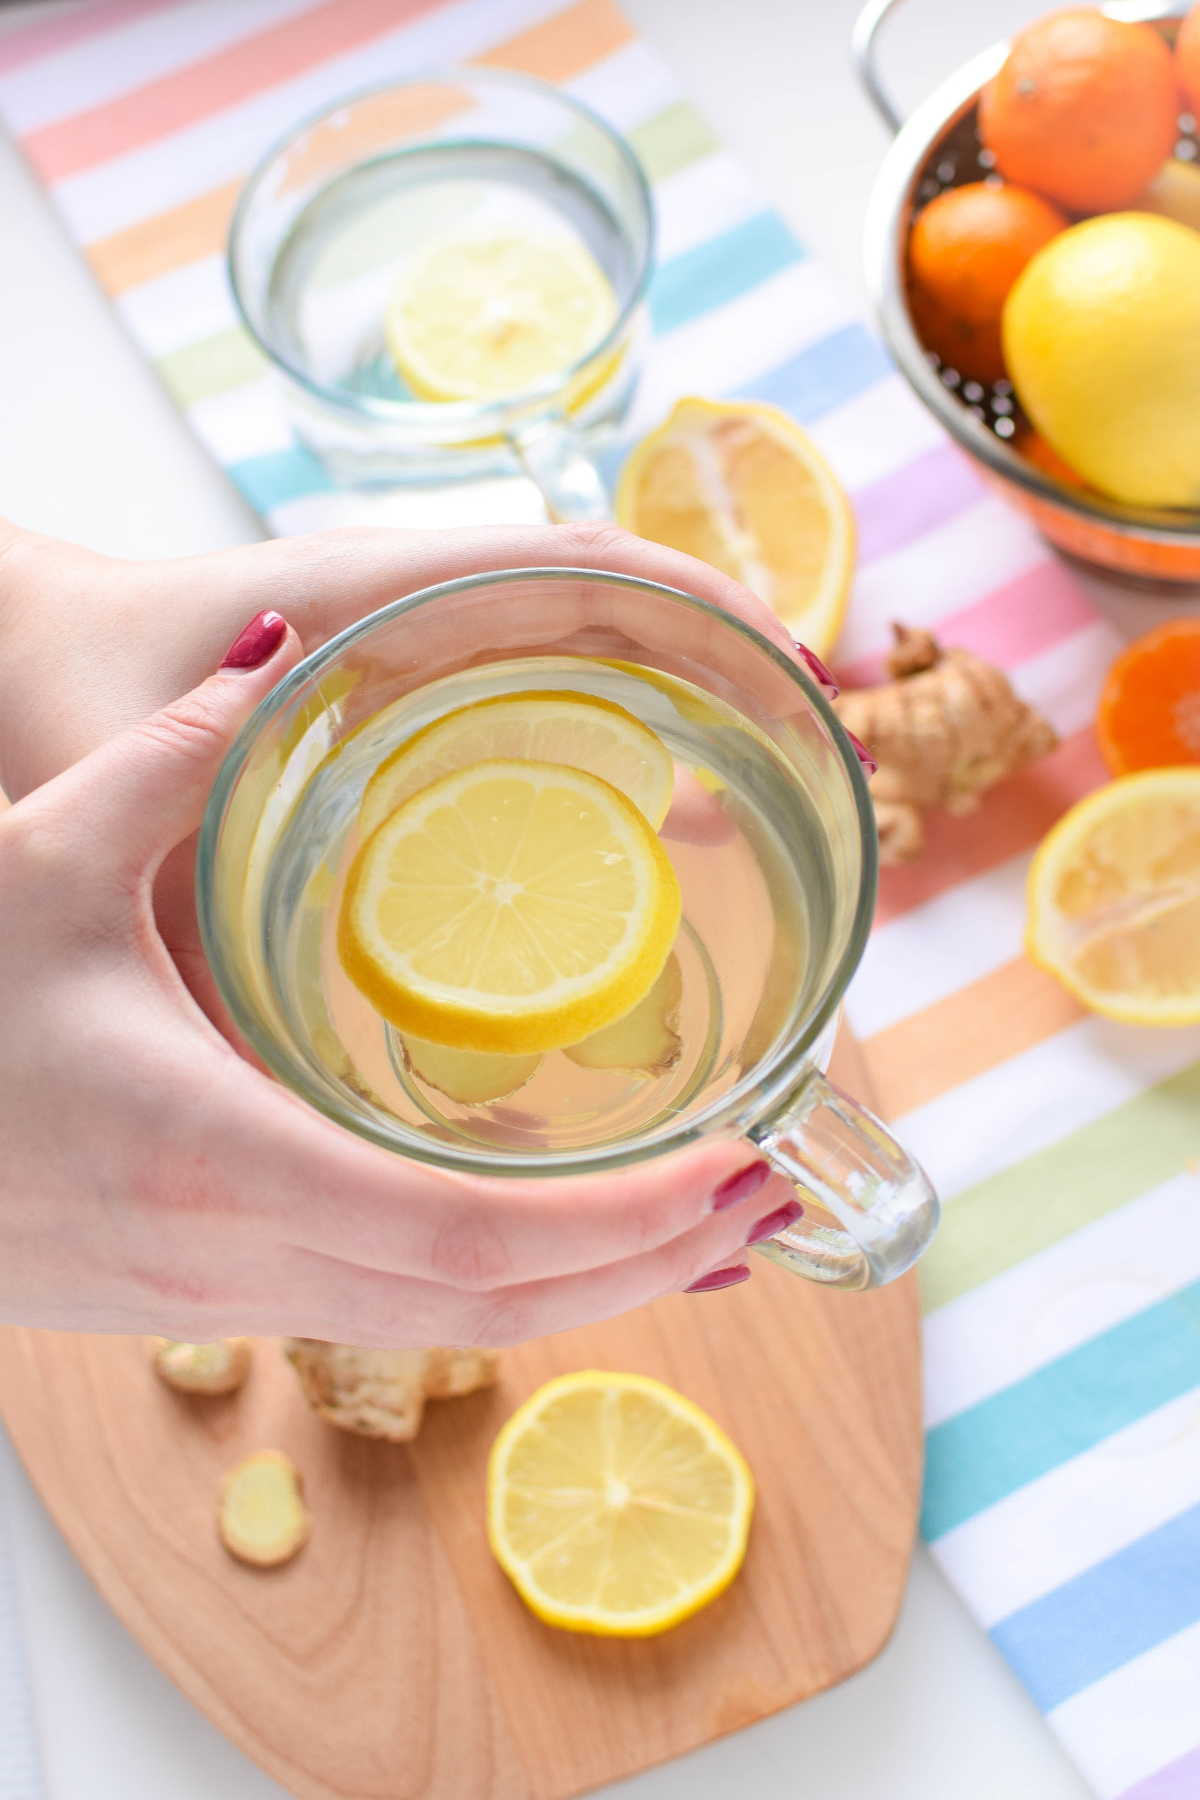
(615, 1505)
(1114, 899)
(482, 315)
(576, 729)
(739, 485)
(511, 907)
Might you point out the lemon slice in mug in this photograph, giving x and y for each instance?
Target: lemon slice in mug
(576, 729)
(615, 1505)
(510, 907)
(478, 316)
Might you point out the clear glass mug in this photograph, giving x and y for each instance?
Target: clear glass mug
(333, 212)
(773, 839)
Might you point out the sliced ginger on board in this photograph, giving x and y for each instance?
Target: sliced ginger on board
(262, 1518)
(217, 1368)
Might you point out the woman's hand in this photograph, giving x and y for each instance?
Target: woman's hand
(155, 1181)
(88, 646)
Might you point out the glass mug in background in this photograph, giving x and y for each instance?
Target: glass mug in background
(773, 842)
(335, 212)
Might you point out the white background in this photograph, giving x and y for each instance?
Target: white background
(92, 450)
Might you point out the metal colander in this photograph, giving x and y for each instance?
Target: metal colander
(939, 148)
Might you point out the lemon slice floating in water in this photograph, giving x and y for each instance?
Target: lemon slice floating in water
(576, 729)
(1114, 899)
(510, 907)
(615, 1505)
(483, 315)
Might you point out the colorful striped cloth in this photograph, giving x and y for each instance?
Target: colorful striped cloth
(1063, 1292)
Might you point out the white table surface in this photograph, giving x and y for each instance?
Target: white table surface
(92, 450)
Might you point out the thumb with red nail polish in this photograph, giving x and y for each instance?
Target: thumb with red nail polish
(150, 784)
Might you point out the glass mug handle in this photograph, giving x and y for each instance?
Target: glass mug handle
(552, 455)
(869, 1208)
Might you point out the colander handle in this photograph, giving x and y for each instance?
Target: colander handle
(862, 54)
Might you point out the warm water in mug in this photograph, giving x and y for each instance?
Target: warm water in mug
(758, 892)
(328, 289)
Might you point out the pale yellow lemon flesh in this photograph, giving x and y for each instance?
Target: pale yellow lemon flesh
(479, 316)
(509, 908)
(740, 485)
(1114, 899)
(578, 730)
(615, 1505)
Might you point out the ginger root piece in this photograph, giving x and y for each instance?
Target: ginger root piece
(472, 1077)
(946, 727)
(218, 1368)
(262, 1518)
(646, 1041)
(382, 1393)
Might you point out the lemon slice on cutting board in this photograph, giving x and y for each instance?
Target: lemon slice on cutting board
(1114, 899)
(510, 907)
(576, 729)
(615, 1505)
(739, 485)
(478, 316)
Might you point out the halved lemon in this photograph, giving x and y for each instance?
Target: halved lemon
(481, 315)
(510, 907)
(1114, 899)
(615, 1505)
(576, 729)
(739, 485)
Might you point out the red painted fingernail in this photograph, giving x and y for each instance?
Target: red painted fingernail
(864, 755)
(719, 1278)
(261, 638)
(816, 668)
(739, 1187)
(779, 1220)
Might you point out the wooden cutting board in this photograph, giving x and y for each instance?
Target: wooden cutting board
(392, 1660)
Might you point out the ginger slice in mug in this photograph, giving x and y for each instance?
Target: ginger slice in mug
(647, 1039)
(469, 1077)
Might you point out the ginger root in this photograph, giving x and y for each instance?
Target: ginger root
(470, 1077)
(262, 1518)
(382, 1393)
(944, 728)
(646, 1041)
(217, 1368)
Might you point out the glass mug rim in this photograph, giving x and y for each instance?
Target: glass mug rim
(449, 412)
(769, 1085)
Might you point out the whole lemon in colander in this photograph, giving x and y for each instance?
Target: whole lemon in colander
(1102, 340)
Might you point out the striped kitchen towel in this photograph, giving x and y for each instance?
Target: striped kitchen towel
(1063, 1291)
